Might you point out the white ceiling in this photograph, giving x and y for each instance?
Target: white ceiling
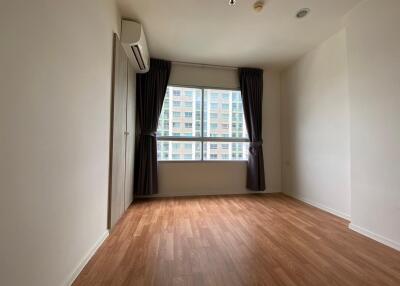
(212, 32)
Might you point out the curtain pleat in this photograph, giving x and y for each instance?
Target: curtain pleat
(251, 86)
(150, 92)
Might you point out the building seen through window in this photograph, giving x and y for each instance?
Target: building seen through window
(202, 124)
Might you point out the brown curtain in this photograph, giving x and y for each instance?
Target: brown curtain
(150, 93)
(251, 86)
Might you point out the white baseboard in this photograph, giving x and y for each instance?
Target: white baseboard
(86, 258)
(374, 236)
(172, 195)
(321, 206)
(386, 241)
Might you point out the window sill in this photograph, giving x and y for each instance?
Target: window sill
(203, 161)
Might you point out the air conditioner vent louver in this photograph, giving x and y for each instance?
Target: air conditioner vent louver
(133, 41)
(138, 57)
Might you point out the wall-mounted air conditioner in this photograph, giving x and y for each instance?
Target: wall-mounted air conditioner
(133, 41)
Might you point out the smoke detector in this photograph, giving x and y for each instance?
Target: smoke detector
(258, 6)
(302, 13)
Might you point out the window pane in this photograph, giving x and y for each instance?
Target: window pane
(223, 114)
(181, 113)
(213, 106)
(178, 150)
(226, 151)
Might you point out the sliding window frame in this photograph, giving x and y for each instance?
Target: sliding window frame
(202, 139)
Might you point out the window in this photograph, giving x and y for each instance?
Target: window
(214, 96)
(225, 116)
(214, 106)
(236, 97)
(207, 124)
(175, 146)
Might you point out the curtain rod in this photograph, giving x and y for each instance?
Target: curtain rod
(204, 65)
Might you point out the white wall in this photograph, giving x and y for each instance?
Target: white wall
(315, 127)
(203, 76)
(373, 44)
(55, 73)
(185, 178)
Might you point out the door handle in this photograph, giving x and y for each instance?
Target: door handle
(126, 133)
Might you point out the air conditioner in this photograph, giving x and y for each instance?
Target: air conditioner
(134, 43)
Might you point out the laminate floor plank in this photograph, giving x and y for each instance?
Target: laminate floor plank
(237, 240)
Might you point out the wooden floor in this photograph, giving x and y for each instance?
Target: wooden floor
(237, 240)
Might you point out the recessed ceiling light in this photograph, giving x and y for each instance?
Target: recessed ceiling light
(302, 13)
(232, 2)
(258, 6)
